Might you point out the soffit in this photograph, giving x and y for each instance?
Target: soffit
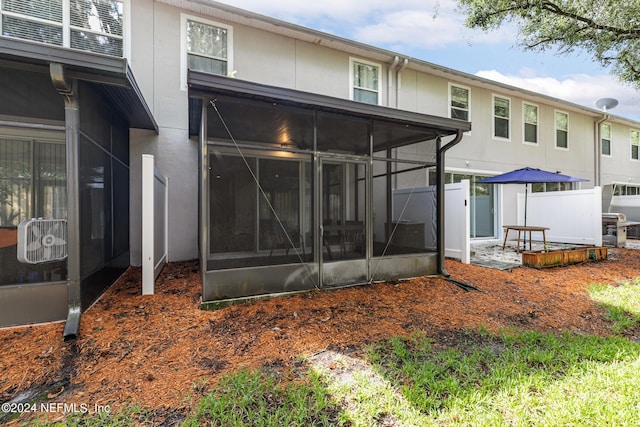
(111, 76)
(255, 112)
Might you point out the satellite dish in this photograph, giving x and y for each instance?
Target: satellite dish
(606, 103)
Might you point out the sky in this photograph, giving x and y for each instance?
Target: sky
(434, 31)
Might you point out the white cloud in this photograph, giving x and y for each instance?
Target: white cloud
(582, 89)
(426, 24)
(423, 29)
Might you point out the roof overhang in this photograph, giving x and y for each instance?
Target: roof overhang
(392, 127)
(110, 75)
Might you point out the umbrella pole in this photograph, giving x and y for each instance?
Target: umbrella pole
(526, 192)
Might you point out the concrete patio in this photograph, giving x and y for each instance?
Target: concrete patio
(489, 253)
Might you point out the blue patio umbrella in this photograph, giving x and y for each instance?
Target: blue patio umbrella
(529, 176)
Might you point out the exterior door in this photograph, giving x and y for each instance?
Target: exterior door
(343, 213)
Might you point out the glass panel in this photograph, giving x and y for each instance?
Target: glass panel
(482, 212)
(365, 76)
(501, 127)
(206, 40)
(501, 107)
(207, 65)
(562, 139)
(606, 147)
(103, 16)
(29, 30)
(531, 133)
(367, 96)
(459, 98)
(459, 114)
(343, 211)
(97, 43)
(50, 10)
(531, 123)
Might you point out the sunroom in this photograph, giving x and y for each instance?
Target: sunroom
(65, 117)
(301, 191)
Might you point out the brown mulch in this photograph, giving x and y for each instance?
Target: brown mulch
(163, 353)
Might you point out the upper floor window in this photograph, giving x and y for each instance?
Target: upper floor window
(562, 129)
(459, 102)
(501, 117)
(530, 113)
(635, 142)
(605, 139)
(91, 25)
(206, 46)
(365, 82)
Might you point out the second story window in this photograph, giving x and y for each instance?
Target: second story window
(562, 129)
(635, 143)
(207, 47)
(530, 112)
(459, 102)
(365, 82)
(90, 25)
(605, 139)
(501, 117)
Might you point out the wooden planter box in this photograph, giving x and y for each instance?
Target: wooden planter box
(539, 259)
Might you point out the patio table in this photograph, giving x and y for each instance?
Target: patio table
(525, 229)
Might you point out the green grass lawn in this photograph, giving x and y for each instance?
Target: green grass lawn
(479, 379)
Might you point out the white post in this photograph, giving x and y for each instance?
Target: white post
(148, 268)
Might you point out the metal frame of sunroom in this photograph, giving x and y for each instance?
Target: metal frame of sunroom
(234, 116)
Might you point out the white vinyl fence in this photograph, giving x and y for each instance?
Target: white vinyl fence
(572, 216)
(155, 190)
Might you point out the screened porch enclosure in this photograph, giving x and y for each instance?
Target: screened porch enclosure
(298, 189)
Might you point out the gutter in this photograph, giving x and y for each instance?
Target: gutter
(440, 199)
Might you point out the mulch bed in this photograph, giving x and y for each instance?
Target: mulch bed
(162, 352)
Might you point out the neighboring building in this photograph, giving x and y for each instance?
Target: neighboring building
(285, 148)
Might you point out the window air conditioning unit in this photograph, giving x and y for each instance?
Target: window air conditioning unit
(42, 240)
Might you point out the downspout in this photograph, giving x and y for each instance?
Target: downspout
(440, 199)
(392, 67)
(405, 61)
(68, 90)
(598, 150)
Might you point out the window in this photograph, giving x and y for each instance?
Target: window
(459, 102)
(365, 82)
(501, 117)
(542, 187)
(91, 25)
(32, 180)
(635, 141)
(530, 113)
(206, 46)
(33, 184)
(605, 139)
(562, 130)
